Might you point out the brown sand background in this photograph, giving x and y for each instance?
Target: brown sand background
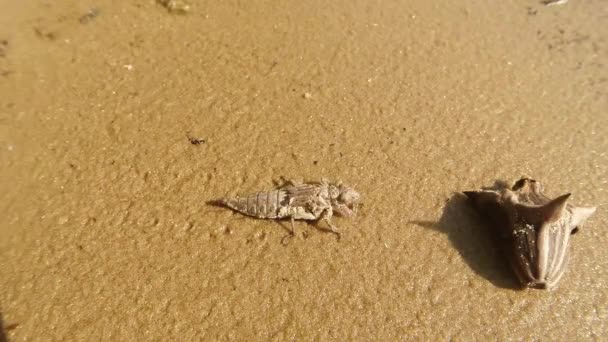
(105, 234)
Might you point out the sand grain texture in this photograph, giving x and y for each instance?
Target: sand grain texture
(105, 233)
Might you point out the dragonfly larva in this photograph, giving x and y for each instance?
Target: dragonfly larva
(298, 201)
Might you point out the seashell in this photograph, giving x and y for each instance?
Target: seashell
(533, 230)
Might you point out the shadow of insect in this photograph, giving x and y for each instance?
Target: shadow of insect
(5, 328)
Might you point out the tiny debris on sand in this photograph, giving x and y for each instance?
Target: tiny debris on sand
(44, 34)
(89, 16)
(175, 6)
(554, 2)
(307, 96)
(196, 141)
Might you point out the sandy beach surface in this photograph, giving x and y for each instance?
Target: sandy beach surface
(119, 120)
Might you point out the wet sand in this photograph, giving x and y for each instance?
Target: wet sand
(105, 233)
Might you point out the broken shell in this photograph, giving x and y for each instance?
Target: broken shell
(533, 230)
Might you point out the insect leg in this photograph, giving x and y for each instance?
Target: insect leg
(287, 182)
(344, 210)
(291, 234)
(293, 226)
(327, 214)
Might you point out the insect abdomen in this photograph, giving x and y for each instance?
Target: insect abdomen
(263, 204)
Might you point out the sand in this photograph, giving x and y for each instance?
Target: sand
(104, 230)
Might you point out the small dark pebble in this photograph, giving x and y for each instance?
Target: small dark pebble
(315, 162)
(196, 141)
(175, 6)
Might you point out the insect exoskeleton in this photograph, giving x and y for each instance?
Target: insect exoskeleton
(298, 201)
(534, 230)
